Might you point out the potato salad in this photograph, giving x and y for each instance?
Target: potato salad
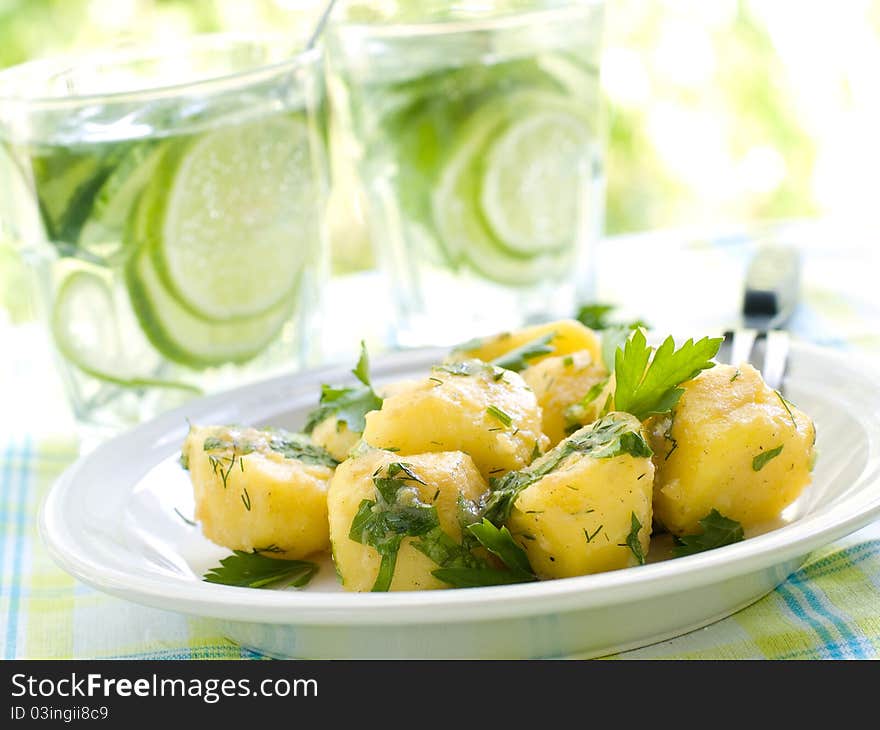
(550, 452)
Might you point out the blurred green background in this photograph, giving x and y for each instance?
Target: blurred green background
(721, 112)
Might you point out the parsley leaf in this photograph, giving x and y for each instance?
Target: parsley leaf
(348, 403)
(632, 540)
(298, 446)
(760, 461)
(606, 438)
(596, 317)
(395, 513)
(501, 544)
(446, 552)
(612, 339)
(518, 358)
(474, 572)
(648, 386)
(717, 532)
(287, 443)
(362, 369)
(254, 570)
(477, 577)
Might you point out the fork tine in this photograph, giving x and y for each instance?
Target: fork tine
(775, 359)
(742, 344)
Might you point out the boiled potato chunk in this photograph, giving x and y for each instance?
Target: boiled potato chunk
(447, 477)
(335, 438)
(256, 489)
(577, 518)
(569, 336)
(334, 435)
(486, 412)
(732, 444)
(571, 390)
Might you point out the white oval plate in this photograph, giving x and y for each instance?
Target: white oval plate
(112, 521)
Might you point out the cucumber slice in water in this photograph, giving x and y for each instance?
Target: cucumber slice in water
(457, 204)
(90, 335)
(232, 219)
(533, 181)
(194, 341)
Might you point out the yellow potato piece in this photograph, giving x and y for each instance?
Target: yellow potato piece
(488, 413)
(732, 444)
(561, 385)
(249, 495)
(334, 437)
(447, 477)
(576, 519)
(569, 336)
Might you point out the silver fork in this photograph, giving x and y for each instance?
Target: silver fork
(767, 350)
(772, 288)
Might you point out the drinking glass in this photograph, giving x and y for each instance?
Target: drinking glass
(171, 202)
(476, 128)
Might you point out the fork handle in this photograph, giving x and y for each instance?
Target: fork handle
(772, 287)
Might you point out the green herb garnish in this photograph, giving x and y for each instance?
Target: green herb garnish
(188, 521)
(717, 532)
(395, 513)
(575, 413)
(253, 570)
(760, 461)
(604, 439)
(298, 446)
(518, 358)
(476, 572)
(290, 445)
(786, 404)
(466, 368)
(612, 339)
(647, 386)
(595, 316)
(349, 404)
(499, 416)
(632, 540)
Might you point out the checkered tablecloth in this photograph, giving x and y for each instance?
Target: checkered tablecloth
(829, 609)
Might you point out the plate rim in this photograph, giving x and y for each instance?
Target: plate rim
(782, 545)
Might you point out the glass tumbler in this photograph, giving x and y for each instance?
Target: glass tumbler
(171, 201)
(478, 143)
